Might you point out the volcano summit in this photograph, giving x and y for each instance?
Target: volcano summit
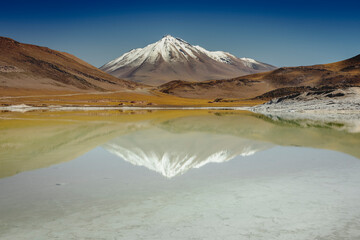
(172, 58)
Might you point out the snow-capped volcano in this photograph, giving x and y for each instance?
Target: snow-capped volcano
(172, 58)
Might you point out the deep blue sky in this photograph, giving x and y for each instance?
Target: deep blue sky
(282, 33)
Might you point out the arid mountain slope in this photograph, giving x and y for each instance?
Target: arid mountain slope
(343, 73)
(25, 66)
(173, 58)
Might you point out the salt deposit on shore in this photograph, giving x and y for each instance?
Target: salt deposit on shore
(341, 101)
(337, 106)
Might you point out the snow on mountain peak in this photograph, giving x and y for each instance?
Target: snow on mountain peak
(172, 39)
(169, 49)
(219, 56)
(169, 38)
(173, 58)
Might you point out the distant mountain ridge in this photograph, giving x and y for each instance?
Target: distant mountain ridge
(282, 80)
(172, 58)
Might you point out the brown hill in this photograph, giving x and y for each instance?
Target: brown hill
(338, 74)
(25, 66)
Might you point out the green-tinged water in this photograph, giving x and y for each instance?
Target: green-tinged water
(177, 175)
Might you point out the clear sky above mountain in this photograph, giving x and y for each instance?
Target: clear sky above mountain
(282, 33)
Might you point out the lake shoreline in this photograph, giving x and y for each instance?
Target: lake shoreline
(25, 108)
(299, 108)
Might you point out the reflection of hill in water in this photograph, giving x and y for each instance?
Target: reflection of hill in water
(306, 133)
(166, 141)
(173, 154)
(31, 144)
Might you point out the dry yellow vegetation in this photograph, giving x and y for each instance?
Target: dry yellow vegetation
(144, 97)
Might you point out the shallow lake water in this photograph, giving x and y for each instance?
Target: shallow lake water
(177, 175)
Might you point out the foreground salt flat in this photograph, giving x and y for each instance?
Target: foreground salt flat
(280, 193)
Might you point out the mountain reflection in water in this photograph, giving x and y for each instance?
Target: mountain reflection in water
(171, 153)
(177, 175)
(168, 142)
